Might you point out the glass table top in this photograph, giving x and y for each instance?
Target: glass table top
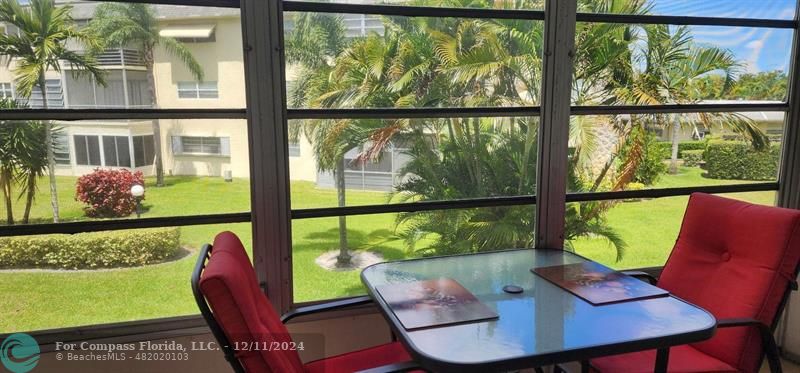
(543, 324)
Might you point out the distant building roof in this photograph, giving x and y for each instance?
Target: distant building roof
(85, 9)
(758, 116)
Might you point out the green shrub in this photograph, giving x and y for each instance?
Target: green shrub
(634, 186)
(738, 160)
(90, 250)
(682, 147)
(652, 165)
(693, 158)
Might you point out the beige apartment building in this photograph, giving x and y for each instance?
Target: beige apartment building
(200, 147)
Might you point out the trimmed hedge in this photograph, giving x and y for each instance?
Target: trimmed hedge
(693, 158)
(682, 147)
(90, 250)
(738, 160)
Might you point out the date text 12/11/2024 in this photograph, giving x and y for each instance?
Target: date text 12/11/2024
(179, 347)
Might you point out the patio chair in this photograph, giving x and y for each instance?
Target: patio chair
(739, 261)
(245, 324)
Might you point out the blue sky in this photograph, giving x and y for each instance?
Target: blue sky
(761, 49)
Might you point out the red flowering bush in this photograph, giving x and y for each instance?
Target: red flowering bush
(108, 192)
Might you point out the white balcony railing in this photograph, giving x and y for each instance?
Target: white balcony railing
(120, 57)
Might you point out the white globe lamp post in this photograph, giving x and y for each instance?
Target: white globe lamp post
(137, 191)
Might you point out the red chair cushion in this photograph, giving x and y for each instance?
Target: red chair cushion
(735, 259)
(231, 289)
(682, 359)
(360, 360)
(246, 316)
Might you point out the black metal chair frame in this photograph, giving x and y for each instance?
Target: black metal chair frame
(228, 349)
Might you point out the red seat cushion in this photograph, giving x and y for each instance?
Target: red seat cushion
(735, 259)
(246, 316)
(231, 289)
(682, 359)
(360, 360)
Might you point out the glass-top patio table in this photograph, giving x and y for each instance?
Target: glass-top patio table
(542, 325)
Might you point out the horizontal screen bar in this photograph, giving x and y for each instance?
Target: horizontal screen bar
(413, 207)
(524, 200)
(206, 3)
(488, 13)
(88, 114)
(397, 113)
(671, 192)
(121, 224)
(412, 11)
(683, 20)
(400, 113)
(688, 108)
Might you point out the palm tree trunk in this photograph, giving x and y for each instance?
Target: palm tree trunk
(530, 142)
(29, 196)
(51, 159)
(151, 87)
(344, 255)
(6, 185)
(673, 162)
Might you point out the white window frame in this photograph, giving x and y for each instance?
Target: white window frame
(7, 90)
(223, 144)
(88, 153)
(128, 139)
(196, 89)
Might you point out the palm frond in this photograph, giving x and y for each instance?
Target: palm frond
(180, 51)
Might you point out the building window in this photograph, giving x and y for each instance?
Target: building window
(55, 95)
(87, 150)
(61, 149)
(83, 92)
(6, 91)
(201, 145)
(190, 33)
(195, 90)
(117, 151)
(143, 150)
(362, 25)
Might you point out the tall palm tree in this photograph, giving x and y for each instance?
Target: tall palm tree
(23, 159)
(316, 38)
(666, 69)
(10, 139)
(33, 162)
(124, 25)
(39, 46)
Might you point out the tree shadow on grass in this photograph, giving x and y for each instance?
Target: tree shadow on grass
(150, 181)
(324, 240)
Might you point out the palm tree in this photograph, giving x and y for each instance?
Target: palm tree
(39, 46)
(23, 159)
(438, 62)
(10, 139)
(33, 162)
(315, 39)
(132, 24)
(667, 68)
(448, 173)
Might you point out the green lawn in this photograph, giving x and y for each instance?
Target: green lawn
(31, 300)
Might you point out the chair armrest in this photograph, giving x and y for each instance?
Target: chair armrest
(644, 276)
(767, 339)
(325, 307)
(405, 366)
